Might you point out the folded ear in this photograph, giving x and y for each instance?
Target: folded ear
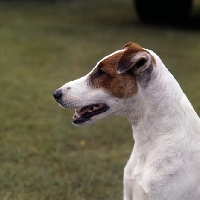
(134, 57)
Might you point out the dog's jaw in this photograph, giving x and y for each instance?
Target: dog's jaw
(90, 105)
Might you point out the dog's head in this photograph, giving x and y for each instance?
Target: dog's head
(114, 81)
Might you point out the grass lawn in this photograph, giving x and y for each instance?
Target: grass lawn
(42, 46)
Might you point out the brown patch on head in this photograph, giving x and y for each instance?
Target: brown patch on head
(118, 73)
(105, 76)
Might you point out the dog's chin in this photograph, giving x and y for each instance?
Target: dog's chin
(90, 113)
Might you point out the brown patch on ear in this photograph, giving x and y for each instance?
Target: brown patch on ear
(135, 58)
(132, 45)
(125, 63)
(105, 77)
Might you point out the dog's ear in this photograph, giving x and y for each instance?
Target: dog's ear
(127, 45)
(135, 58)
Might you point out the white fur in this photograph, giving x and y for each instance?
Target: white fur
(165, 161)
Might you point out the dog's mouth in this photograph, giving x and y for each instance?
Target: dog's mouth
(87, 112)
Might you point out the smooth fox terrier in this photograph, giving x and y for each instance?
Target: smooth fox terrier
(134, 83)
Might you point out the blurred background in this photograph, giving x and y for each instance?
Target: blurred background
(44, 44)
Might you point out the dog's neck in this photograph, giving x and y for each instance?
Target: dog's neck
(160, 112)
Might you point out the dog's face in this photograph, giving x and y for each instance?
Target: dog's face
(117, 78)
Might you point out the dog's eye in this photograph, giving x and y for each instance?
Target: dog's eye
(100, 72)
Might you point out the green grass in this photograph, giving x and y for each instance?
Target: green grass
(42, 155)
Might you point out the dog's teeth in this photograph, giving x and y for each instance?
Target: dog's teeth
(95, 108)
(91, 109)
(76, 115)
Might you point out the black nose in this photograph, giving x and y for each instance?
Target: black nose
(57, 94)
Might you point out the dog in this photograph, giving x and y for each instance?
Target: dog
(133, 82)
